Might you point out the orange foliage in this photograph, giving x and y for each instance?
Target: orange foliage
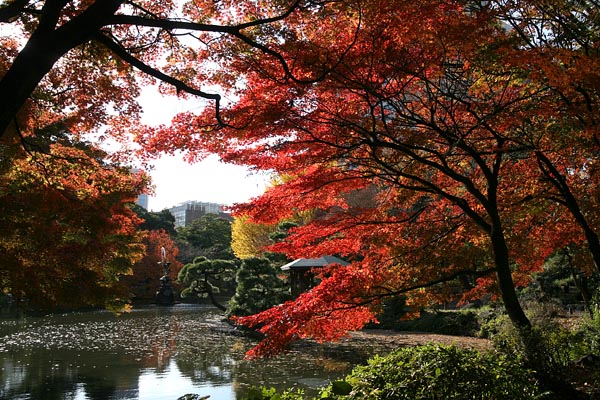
(477, 146)
(67, 232)
(473, 132)
(145, 279)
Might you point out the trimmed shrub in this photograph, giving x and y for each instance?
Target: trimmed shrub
(439, 372)
(259, 287)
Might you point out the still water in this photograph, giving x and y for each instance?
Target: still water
(151, 353)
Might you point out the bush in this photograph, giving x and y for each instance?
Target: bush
(491, 322)
(427, 372)
(591, 331)
(438, 372)
(264, 393)
(556, 345)
(258, 288)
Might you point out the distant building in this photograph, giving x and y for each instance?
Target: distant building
(189, 211)
(142, 201)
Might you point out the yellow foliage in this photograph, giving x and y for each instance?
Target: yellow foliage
(248, 239)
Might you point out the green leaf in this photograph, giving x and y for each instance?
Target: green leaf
(255, 394)
(341, 388)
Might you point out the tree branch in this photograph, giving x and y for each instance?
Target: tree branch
(180, 86)
(12, 10)
(233, 30)
(428, 284)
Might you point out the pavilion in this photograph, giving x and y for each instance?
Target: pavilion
(302, 277)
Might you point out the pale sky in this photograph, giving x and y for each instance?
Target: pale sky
(212, 181)
(176, 181)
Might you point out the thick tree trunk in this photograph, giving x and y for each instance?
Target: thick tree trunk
(535, 351)
(29, 68)
(505, 282)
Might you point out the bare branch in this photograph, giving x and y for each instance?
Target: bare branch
(235, 31)
(170, 24)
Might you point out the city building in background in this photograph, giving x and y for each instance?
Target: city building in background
(142, 201)
(189, 211)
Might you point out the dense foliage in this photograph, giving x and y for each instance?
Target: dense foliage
(249, 239)
(469, 129)
(259, 287)
(67, 232)
(206, 278)
(156, 221)
(447, 148)
(83, 62)
(144, 281)
(208, 236)
(441, 372)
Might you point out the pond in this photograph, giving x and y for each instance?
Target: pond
(151, 353)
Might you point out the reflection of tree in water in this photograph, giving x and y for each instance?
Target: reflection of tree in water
(50, 374)
(163, 346)
(210, 357)
(56, 356)
(99, 356)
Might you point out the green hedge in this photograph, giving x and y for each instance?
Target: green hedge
(440, 372)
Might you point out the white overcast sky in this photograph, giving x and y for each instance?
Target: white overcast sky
(176, 181)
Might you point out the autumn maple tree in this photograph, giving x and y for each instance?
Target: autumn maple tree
(559, 45)
(83, 62)
(68, 234)
(449, 147)
(472, 142)
(144, 281)
(80, 65)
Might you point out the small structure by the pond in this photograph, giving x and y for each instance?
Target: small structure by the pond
(302, 277)
(164, 295)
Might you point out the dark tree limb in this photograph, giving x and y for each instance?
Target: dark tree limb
(12, 10)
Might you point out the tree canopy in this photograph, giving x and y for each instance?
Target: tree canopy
(208, 236)
(78, 67)
(471, 127)
(67, 232)
(83, 62)
(144, 281)
(155, 221)
(447, 146)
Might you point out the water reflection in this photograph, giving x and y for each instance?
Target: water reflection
(150, 353)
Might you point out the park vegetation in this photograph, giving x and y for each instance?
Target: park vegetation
(449, 150)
